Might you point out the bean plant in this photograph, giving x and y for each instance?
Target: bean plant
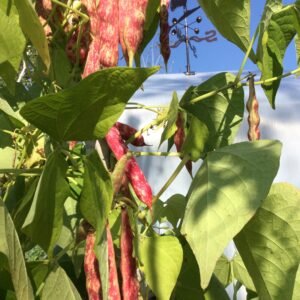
(78, 218)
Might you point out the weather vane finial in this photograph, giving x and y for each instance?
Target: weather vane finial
(176, 30)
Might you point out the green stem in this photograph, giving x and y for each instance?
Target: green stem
(79, 13)
(145, 108)
(159, 106)
(155, 122)
(61, 253)
(40, 289)
(71, 179)
(238, 76)
(21, 171)
(234, 85)
(276, 77)
(153, 108)
(53, 262)
(78, 44)
(212, 93)
(169, 154)
(172, 178)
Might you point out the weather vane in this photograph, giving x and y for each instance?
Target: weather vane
(181, 31)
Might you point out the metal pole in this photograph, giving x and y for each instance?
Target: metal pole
(188, 66)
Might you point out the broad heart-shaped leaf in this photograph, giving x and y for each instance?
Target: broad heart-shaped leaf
(232, 19)
(270, 243)
(10, 247)
(95, 204)
(101, 250)
(171, 210)
(188, 283)
(197, 139)
(12, 44)
(296, 291)
(61, 67)
(223, 271)
(87, 110)
(97, 192)
(9, 120)
(151, 23)
(171, 119)
(38, 271)
(241, 274)
(12, 40)
(7, 157)
(13, 116)
(224, 195)
(297, 47)
(44, 221)
(219, 116)
(161, 259)
(33, 29)
(280, 31)
(59, 286)
(271, 6)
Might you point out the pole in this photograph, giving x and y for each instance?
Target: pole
(188, 66)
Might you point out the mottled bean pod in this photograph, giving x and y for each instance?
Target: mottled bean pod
(127, 132)
(179, 138)
(131, 26)
(130, 284)
(91, 269)
(114, 289)
(253, 116)
(164, 31)
(132, 171)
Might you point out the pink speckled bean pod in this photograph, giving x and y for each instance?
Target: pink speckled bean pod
(130, 284)
(131, 25)
(132, 171)
(127, 131)
(91, 269)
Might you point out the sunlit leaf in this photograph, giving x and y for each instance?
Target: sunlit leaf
(232, 19)
(171, 210)
(279, 32)
(296, 291)
(161, 262)
(188, 283)
(218, 117)
(10, 247)
(97, 192)
(12, 41)
(241, 274)
(223, 271)
(297, 47)
(269, 244)
(44, 221)
(12, 44)
(230, 185)
(151, 23)
(87, 110)
(59, 286)
(171, 119)
(33, 29)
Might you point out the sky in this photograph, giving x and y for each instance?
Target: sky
(215, 56)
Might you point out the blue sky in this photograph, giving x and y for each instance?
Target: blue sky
(216, 56)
